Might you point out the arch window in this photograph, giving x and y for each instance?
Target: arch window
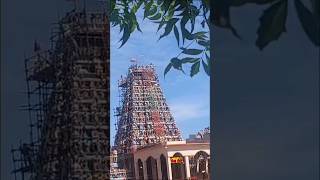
(164, 171)
(140, 169)
(152, 172)
(200, 165)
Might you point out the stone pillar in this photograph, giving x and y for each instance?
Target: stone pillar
(145, 172)
(136, 167)
(159, 168)
(169, 169)
(187, 167)
(197, 165)
(207, 166)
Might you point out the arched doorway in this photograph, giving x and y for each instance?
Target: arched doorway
(164, 171)
(152, 172)
(201, 160)
(178, 167)
(140, 169)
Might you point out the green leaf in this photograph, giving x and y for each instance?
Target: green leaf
(147, 9)
(192, 16)
(152, 11)
(155, 17)
(176, 63)
(135, 7)
(112, 4)
(167, 69)
(169, 27)
(191, 51)
(132, 27)
(193, 21)
(309, 22)
(161, 23)
(180, 8)
(165, 5)
(201, 34)
(176, 33)
(138, 27)
(206, 67)
(203, 23)
(125, 36)
(159, 2)
(208, 58)
(133, 22)
(195, 68)
(272, 23)
(121, 27)
(114, 17)
(185, 33)
(189, 60)
(171, 12)
(203, 43)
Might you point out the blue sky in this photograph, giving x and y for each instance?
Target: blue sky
(188, 98)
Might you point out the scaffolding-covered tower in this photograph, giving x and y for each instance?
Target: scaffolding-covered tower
(143, 117)
(68, 103)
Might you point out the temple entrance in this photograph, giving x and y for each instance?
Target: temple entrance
(152, 172)
(201, 165)
(178, 167)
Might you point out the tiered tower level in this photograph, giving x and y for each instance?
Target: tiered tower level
(144, 117)
(68, 92)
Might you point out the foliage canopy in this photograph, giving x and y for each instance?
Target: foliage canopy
(180, 17)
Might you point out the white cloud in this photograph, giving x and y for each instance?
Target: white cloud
(188, 109)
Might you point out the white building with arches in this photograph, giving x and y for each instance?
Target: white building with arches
(173, 160)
